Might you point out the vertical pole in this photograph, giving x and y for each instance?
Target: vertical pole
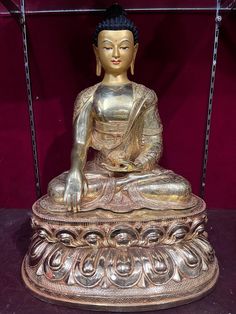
(218, 19)
(29, 98)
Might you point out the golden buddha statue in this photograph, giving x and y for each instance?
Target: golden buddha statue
(116, 252)
(119, 120)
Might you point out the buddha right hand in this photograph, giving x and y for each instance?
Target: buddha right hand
(73, 190)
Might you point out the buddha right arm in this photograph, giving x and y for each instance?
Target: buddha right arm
(75, 182)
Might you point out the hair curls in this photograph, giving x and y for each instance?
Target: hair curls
(115, 19)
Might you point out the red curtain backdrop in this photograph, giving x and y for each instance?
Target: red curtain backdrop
(174, 59)
(221, 178)
(17, 188)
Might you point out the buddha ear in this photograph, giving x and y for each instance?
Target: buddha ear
(133, 60)
(98, 63)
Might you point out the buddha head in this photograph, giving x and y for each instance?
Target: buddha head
(115, 42)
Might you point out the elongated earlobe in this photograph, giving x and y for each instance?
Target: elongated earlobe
(98, 63)
(132, 68)
(133, 61)
(98, 68)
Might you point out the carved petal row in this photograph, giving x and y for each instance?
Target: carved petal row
(123, 267)
(122, 235)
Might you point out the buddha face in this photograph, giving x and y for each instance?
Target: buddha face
(116, 50)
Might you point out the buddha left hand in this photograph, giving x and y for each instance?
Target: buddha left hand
(142, 163)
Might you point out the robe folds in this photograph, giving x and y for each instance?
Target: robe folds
(113, 180)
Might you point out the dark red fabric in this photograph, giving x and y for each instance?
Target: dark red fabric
(17, 187)
(33, 5)
(174, 59)
(221, 173)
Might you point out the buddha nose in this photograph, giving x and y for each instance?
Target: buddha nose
(116, 53)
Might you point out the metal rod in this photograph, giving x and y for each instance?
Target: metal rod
(218, 19)
(133, 10)
(30, 101)
(9, 13)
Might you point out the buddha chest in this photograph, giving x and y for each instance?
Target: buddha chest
(113, 103)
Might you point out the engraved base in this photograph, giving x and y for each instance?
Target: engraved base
(120, 262)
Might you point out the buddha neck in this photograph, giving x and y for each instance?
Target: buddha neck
(112, 79)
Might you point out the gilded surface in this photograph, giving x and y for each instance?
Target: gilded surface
(119, 119)
(120, 263)
(124, 174)
(94, 230)
(123, 268)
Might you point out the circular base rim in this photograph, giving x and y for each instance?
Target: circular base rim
(203, 290)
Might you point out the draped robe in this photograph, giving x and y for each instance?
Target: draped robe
(110, 185)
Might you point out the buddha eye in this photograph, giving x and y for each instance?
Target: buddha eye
(107, 48)
(124, 48)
